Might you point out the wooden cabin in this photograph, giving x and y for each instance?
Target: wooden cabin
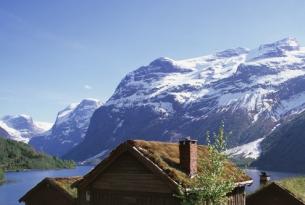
(149, 173)
(287, 192)
(52, 191)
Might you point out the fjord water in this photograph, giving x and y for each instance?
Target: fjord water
(18, 183)
(254, 174)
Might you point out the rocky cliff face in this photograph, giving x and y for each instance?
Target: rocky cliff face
(69, 129)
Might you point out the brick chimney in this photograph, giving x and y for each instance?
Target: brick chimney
(188, 156)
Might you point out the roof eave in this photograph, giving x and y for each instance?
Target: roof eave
(244, 183)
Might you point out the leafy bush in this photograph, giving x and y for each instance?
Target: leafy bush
(1, 175)
(212, 185)
(18, 155)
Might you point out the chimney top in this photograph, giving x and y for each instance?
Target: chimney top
(187, 140)
(188, 155)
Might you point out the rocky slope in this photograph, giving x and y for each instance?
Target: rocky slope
(284, 148)
(250, 90)
(69, 129)
(21, 127)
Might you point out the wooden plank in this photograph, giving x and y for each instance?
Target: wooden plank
(126, 173)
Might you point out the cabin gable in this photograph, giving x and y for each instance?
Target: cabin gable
(46, 194)
(138, 172)
(273, 194)
(129, 174)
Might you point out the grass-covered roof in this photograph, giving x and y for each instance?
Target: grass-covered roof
(166, 156)
(296, 185)
(61, 184)
(163, 159)
(65, 183)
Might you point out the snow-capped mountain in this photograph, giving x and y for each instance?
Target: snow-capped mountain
(69, 129)
(250, 90)
(22, 127)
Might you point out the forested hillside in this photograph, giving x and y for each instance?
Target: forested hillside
(18, 155)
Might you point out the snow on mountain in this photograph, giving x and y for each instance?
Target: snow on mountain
(250, 89)
(69, 129)
(277, 49)
(22, 127)
(250, 150)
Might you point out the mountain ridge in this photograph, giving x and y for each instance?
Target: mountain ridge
(22, 127)
(69, 128)
(169, 99)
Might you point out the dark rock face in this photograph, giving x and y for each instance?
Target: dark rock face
(284, 149)
(168, 99)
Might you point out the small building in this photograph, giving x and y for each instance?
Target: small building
(52, 191)
(149, 173)
(286, 192)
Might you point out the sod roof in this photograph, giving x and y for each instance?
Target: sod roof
(166, 156)
(296, 185)
(163, 158)
(61, 184)
(65, 183)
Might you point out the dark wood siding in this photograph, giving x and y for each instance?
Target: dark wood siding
(128, 182)
(131, 198)
(47, 195)
(127, 174)
(237, 197)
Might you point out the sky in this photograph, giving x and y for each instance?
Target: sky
(57, 52)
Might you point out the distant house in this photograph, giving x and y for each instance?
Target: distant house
(52, 191)
(286, 192)
(149, 173)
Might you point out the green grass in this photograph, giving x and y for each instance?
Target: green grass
(65, 183)
(19, 156)
(295, 185)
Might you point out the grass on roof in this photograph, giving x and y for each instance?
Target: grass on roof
(166, 156)
(295, 185)
(66, 183)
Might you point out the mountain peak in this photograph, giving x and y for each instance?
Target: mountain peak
(19, 116)
(69, 129)
(288, 44)
(22, 127)
(90, 101)
(161, 61)
(232, 52)
(276, 49)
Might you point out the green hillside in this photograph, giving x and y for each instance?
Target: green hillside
(18, 156)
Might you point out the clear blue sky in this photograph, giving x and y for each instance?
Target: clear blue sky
(56, 52)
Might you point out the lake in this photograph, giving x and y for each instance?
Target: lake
(254, 174)
(18, 183)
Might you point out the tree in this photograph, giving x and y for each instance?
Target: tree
(211, 185)
(1, 175)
